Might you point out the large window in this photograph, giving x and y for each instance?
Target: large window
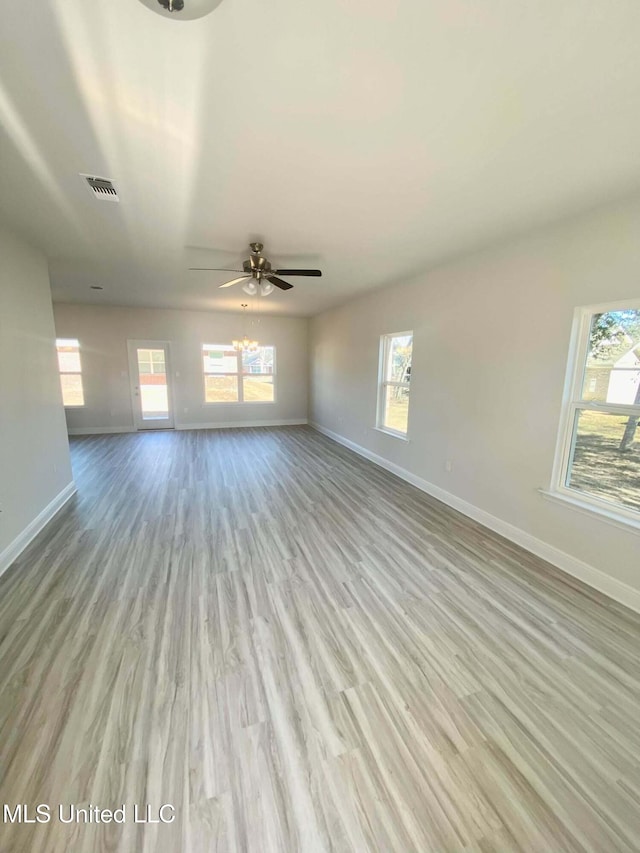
(394, 381)
(232, 376)
(70, 372)
(599, 450)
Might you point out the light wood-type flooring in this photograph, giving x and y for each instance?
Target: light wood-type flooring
(301, 652)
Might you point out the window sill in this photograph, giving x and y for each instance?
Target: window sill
(605, 513)
(392, 434)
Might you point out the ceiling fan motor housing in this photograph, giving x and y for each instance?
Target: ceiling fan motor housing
(256, 264)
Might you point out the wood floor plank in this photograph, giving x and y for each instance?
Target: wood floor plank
(301, 652)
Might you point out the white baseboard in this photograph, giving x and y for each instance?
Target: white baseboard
(216, 425)
(613, 588)
(99, 430)
(236, 424)
(15, 548)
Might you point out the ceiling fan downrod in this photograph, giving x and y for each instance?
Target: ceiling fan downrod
(172, 5)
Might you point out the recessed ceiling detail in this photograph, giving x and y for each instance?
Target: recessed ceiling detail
(181, 10)
(102, 188)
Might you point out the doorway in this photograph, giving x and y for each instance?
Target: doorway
(150, 372)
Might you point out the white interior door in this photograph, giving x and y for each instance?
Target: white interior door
(150, 372)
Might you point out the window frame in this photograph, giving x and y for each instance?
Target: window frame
(384, 383)
(68, 342)
(240, 374)
(572, 404)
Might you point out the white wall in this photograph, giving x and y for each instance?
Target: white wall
(491, 337)
(34, 452)
(103, 333)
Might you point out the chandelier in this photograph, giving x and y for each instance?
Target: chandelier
(245, 343)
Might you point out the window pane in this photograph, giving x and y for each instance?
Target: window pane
(221, 389)
(398, 367)
(260, 361)
(219, 358)
(157, 362)
(606, 457)
(612, 369)
(151, 361)
(257, 389)
(396, 408)
(72, 393)
(69, 361)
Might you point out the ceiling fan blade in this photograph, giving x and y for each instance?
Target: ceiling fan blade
(235, 281)
(283, 285)
(315, 273)
(213, 269)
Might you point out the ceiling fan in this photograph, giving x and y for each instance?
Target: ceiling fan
(257, 274)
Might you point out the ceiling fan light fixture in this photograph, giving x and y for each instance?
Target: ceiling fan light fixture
(181, 10)
(266, 288)
(250, 287)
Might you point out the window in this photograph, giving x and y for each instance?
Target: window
(395, 377)
(232, 376)
(70, 372)
(599, 448)
(257, 376)
(151, 361)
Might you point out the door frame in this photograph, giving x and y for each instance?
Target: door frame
(136, 408)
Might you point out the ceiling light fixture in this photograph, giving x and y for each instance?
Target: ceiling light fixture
(250, 287)
(181, 10)
(266, 288)
(245, 344)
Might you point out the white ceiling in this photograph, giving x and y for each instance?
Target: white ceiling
(371, 138)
